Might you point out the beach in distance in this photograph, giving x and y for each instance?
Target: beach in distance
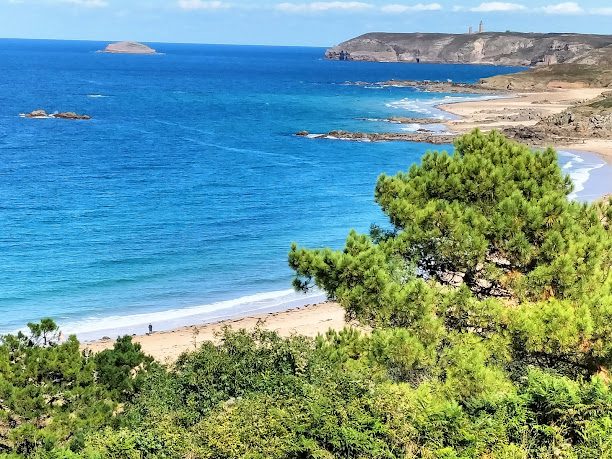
(177, 202)
(166, 346)
(525, 109)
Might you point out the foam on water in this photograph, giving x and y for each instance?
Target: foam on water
(429, 107)
(579, 167)
(95, 327)
(25, 115)
(414, 127)
(411, 127)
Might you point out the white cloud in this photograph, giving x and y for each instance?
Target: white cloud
(398, 8)
(87, 3)
(490, 7)
(202, 5)
(563, 8)
(314, 7)
(322, 6)
(556, 8)
(607, 11)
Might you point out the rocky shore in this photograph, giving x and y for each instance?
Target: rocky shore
(432, 86)
(571, 116)
(588, 120)
(422, 136)
(405, 120)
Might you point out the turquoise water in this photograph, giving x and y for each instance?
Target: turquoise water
(179, 200)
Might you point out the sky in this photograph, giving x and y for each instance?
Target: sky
(301, 23)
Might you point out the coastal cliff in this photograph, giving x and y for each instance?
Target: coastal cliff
(507, 48)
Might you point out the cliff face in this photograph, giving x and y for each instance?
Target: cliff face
(498, 48)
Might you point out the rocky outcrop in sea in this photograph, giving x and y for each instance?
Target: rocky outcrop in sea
(128, 47)
(422, 136)
(42, 114)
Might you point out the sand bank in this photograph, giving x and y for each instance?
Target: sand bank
(166, 346)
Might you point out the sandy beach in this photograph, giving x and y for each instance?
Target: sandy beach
(166, 346)
(526, 109)
(602, 147)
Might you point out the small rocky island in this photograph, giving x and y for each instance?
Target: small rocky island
(128, 47)
(42, 114)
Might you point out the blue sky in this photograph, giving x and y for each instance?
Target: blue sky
(281, 22)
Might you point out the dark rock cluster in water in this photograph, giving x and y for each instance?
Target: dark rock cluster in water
(42, 114)
(422, 136)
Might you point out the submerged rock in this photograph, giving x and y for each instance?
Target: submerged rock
(128, 47)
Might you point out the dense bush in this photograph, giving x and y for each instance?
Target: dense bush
(53, 394)
(487, 308)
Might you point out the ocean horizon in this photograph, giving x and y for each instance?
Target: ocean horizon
(178, 201)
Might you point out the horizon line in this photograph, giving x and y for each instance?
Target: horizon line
(169, 42)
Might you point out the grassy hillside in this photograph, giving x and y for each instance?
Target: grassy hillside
(591, 75)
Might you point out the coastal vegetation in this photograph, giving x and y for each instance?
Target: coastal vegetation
(485, 307)
(559, 76)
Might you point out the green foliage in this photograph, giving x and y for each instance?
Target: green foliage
(494, 220)
(50, 394)
(44, 333)
(122, 368)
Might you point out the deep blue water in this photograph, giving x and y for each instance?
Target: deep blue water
(187, 187)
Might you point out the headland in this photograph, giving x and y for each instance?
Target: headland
(495, 48)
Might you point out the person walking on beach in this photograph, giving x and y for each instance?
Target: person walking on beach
(150, 329)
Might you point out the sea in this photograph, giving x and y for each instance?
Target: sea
(178, 201)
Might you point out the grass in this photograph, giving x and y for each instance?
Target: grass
(605, 103)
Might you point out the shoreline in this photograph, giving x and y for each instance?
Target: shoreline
(524, 109)
(600, 147)
(171, 318)
(166, 346)
(518, 111)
